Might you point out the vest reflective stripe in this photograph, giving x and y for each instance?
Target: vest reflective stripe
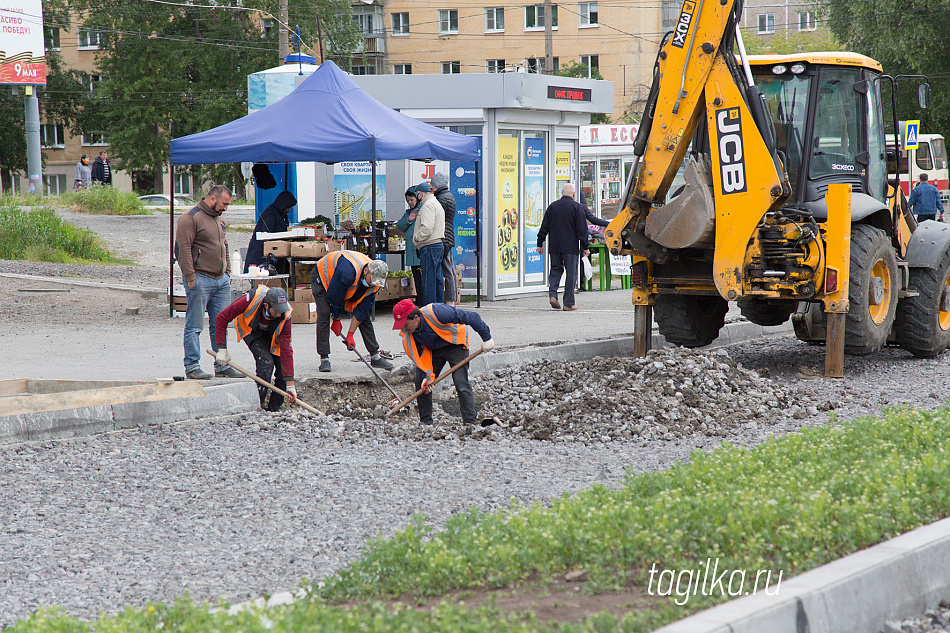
(422, 360)
(454, 333)
(327, 266)
(243, 324)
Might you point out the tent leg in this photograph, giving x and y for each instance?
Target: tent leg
(171, 243)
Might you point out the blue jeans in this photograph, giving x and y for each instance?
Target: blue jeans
(430, 260)
(208, 295)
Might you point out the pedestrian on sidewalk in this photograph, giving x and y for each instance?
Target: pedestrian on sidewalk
(347, 280)
(564, 228)
(428, 236)
(262, 320)
(83, 178)
(407, 224)
(433, 336)
(101, 171)
(925, 200)
(201, 247)
(273, 220)
(440, 188)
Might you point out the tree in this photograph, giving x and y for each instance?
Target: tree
(576, 69)
(908, 37)
(789, 43)
(172, 70)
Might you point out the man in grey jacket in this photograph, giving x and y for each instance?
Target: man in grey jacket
(440, 187)
(427, 236)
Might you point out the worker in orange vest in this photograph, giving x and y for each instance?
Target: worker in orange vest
(262, 320)
(347, 280)
(434, 335)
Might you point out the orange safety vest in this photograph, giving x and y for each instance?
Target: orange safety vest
(327, 266)
(244, 324)
(454, 333)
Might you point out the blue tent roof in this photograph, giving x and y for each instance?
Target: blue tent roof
(326, 119)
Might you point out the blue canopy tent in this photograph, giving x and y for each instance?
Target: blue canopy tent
(326, 119)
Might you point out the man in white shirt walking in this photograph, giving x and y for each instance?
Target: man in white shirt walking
(427, 237)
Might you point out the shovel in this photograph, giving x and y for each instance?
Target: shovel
(445, 375)
(373, 369)
(264, 383)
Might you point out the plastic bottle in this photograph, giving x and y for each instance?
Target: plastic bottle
(237, 266)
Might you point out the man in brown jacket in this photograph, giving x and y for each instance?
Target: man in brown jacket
(202, 251)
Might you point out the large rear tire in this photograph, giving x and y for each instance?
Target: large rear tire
(690, 320)
(923, 322)
(767, 311)
(872, 291)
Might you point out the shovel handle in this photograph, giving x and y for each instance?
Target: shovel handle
(439, 379)
(264, 383)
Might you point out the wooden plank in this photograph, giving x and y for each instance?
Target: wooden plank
(148, 392)
(13, 386)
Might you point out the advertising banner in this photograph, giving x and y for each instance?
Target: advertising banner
(463, 186)
(508, 211)
(562, 167)
(533, 208)
(353, 194)
(22, 52)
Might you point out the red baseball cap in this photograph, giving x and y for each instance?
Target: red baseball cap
(401, 312)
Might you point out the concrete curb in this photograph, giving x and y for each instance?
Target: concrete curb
(227, 399)
(897, 579)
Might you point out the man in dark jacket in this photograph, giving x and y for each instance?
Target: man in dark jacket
(101, 171)
(440, 187)
(273, 220)
(564, 221)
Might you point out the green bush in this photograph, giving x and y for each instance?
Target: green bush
(41, 235)
(104, 201)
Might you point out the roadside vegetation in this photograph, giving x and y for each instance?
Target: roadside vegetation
(103, 201)
(787, 506)
(39, 235)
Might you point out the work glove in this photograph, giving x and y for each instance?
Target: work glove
(292, 390)
(350, 343)
(336, 327)
(488, 345)
(223, 357)
(426, 385)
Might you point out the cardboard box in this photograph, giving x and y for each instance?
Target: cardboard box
(303, 295)
(279, 248)
(303, 312)
(270, 282)
(308, 249)
(177, 298)
(334, 246)
(407, 287)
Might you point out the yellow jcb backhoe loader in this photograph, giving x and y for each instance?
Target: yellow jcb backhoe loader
(787, 209)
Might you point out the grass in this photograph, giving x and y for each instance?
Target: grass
(104, 201)
(40, 235)
(788, 505)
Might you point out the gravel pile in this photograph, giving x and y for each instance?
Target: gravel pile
(932, 621)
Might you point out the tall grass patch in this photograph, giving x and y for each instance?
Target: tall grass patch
(787, 506)
(104, 201)
(41, 235)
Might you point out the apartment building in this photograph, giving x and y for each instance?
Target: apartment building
(619, 38)
(767, 19)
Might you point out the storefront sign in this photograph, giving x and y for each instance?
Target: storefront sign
(569, 94)
(353, 195)
(597, 135)
(23, 55)
(562, 166)
(620, 264)
(533, 208)
(462, 184)
(508, 211)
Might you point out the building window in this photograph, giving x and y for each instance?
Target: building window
(536, 64)
(766, 23)
(534, 16)
(593, 64)
(807, 21)
(451, 68)
(495, 19)
(401, 23)
(267, 25)
(365, 23)
(364, 70)
(93, 138)
(183, 183)
(588, 14)
(54, 184)
(91, 82)
(402, 69)
(671, 11)
(52, 135)
(52, 36)
(448, 21)
(495, 65)
(89, 37)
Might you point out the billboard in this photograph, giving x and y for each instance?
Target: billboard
(22, 52)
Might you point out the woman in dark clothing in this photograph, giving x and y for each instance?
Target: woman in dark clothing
(272, 220)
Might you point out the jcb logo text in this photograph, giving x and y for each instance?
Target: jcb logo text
(731, 153)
